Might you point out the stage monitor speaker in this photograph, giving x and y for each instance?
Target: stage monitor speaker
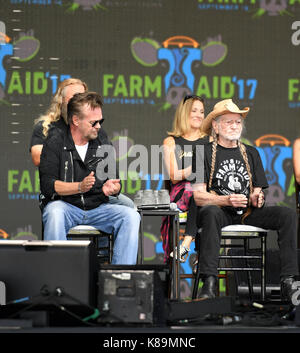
(2, 293)
(133, 294)
(197, 308)
(34, 271)
(297, 315)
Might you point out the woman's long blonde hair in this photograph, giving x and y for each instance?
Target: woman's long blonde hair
(54, 112)
(180, 122)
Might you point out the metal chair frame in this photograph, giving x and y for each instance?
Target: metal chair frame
(297, 195)
(182, 222)
(243, 233)
(84, 232)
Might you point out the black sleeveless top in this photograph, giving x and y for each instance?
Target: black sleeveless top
(184, 150)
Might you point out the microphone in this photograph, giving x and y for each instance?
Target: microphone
(93, 162)
(237, 190)
(169, 206)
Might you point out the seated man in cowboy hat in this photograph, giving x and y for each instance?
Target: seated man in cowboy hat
(231, 193)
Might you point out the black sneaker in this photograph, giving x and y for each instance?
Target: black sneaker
(288, 287)
(183, 253)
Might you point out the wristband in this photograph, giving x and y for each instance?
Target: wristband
(79, 187)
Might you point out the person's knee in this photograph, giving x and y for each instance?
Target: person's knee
(128, 202)
(133, 216)
(54, 210)
(122, 200)
(288, 215)
(128, 215)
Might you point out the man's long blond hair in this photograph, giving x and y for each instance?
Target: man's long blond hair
(54, 112)
(180, 122)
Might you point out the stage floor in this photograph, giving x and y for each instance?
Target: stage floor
(246, 326)
(218, 315)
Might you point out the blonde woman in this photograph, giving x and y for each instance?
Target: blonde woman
(55, 121)
(178, 152)
(296, 160)
(56, 116)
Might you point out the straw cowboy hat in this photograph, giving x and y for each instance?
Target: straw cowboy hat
(222, 107)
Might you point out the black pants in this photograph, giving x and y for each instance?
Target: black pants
(282, 219)
(191, 221)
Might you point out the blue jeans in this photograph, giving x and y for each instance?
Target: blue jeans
(121, 199)
(59, 217)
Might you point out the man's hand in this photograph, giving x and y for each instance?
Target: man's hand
(87, 183)
(111, 187)
(238, 200)
(257, 198)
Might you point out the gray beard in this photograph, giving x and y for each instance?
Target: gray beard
(233, 137)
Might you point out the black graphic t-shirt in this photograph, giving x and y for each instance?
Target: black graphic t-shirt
(230, 174)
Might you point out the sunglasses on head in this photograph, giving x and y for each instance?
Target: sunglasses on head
(192, 96)
(94, 123)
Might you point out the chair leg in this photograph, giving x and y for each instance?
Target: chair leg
(227, 285)
(111, 247)
(263, 267)
(108, 247)
(249, 277)
(196, 282)
(170, 279)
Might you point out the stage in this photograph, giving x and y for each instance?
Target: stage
(219, 315)
(99, 305)
(245, 327)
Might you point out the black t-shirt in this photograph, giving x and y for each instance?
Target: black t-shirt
(230, 171)
(38, 138)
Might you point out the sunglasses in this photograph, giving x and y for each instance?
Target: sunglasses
(192, 96)
(94, 123)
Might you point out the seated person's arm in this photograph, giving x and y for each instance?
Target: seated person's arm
(110, 187)
(50, 175)
(203, 197)
(64, 188)
(36, 154)
(36, 143)
(257, 198)
(296, 159)
(175, 174)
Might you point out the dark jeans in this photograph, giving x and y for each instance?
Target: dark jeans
(282, 219)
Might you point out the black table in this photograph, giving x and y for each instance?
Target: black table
(174, 240)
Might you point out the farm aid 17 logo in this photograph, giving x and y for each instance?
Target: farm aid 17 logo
(174, 69)
(22, 79)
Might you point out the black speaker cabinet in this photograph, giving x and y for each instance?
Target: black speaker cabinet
(132, 294)
(31, 269)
